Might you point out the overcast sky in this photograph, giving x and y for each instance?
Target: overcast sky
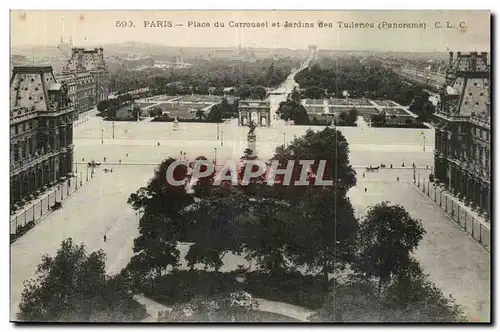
(99, 28)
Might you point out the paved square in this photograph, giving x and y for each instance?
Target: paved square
(456, 263)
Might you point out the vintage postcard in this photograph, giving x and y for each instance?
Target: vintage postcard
(250, 166)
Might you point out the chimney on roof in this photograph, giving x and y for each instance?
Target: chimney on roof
(484, 57)
(473, 61)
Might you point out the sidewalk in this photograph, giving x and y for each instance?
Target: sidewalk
(39, 207)
(471, 221)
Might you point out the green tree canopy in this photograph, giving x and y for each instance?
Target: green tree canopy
(388, 236)
(73, 286)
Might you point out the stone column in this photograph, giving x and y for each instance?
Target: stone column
(478, 194)
(23, 185)
(13, 189)
(19, 188)
(487, 199)
(463, 184)
(42, 175)
(63, 136)
(252, 145)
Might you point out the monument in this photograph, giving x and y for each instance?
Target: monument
(258, 111)
(251, 137)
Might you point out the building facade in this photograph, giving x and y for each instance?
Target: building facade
(463, 139)
(81, 87)
(87, 70)
(41, 130)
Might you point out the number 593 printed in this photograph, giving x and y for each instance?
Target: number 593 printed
(124, 24)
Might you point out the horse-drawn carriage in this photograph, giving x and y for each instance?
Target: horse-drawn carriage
(372, 169)
(56, 206)
(93, 164)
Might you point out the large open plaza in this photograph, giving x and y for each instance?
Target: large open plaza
(100, 207)
(374, 146)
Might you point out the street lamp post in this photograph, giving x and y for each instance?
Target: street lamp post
(284, 140)
(414, 173)
(424, 141)
(215, 156)
(221, 138)
(217, 130)
(113, 123)
(102, 136)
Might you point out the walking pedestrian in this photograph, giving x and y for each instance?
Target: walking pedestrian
(126, 155)
(120, 161)
(105, 238)
(104, 159)
(365, 189)
(397, 178)
(363, 174)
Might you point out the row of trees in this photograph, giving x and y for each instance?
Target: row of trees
(202, 78)
(292, 109)
(218, 113)
(115, 108)
(362, 78)
(114, 103)
(348, 119)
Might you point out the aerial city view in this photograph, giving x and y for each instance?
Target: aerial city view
(250, 166)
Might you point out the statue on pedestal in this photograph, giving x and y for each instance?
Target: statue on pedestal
(251, 138)
(252, 127)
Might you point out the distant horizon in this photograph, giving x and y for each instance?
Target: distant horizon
(91, 46)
